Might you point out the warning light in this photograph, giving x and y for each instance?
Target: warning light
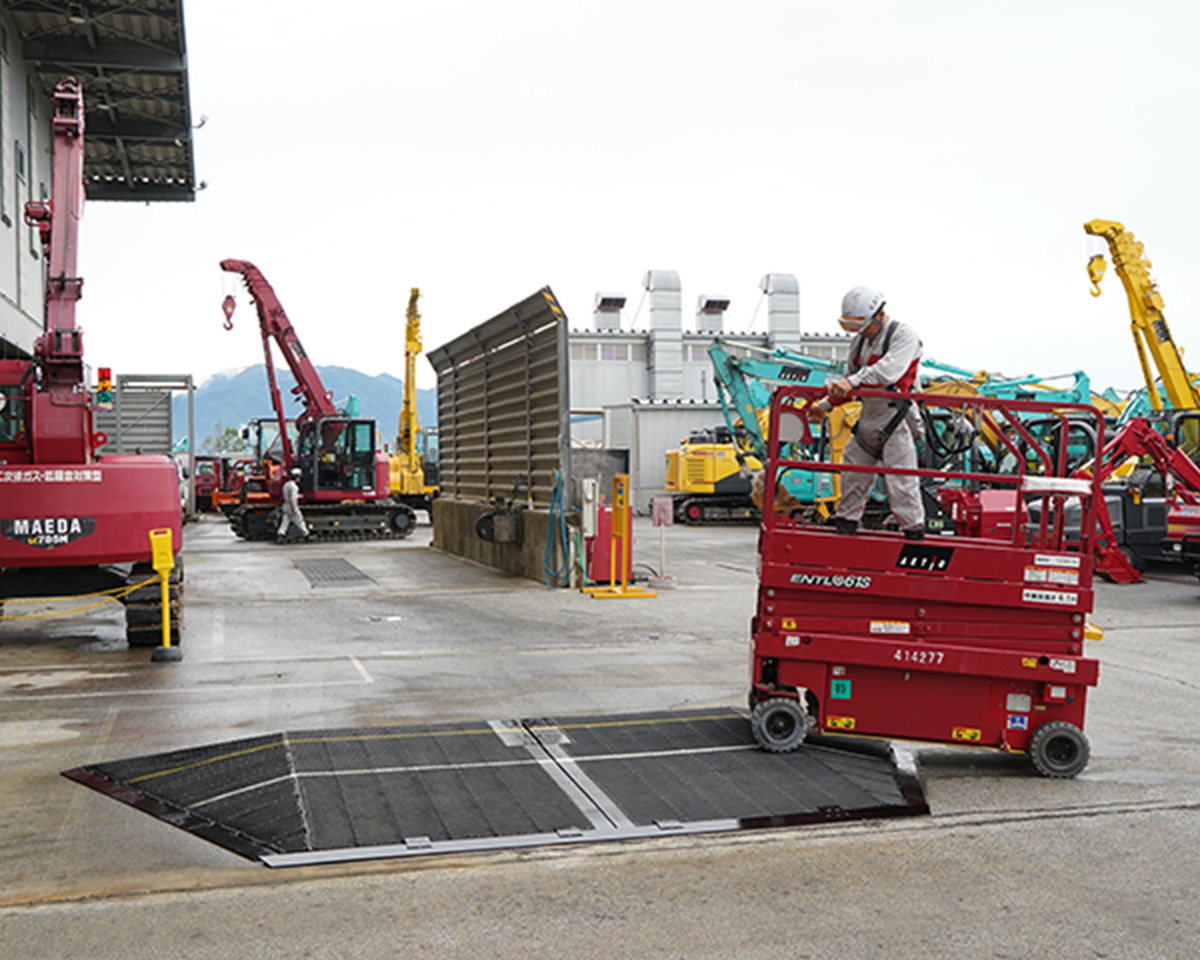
(104, 387)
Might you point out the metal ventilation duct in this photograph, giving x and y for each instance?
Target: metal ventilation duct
(607, 312)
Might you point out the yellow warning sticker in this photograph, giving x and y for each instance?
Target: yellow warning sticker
(966, 733)
(789, 623)
(839, 723)
(1029, 662)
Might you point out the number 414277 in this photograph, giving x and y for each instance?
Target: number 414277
(919, 657)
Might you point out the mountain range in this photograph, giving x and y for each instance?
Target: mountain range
(231, 400)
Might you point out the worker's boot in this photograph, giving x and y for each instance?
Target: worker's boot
(845, 527)
(915, 534)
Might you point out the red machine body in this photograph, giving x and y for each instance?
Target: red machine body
(60, 504)
(952, 639)
(1139, 438)
(208, 477)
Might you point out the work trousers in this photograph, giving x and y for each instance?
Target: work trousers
(292, 515)
(903, 491)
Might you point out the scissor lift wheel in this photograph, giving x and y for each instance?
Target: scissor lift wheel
(779, 725)
(1059, 749)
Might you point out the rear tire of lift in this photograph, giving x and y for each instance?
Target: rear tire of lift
(1059, 749)
(779, 725)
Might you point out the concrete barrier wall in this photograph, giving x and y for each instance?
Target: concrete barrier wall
(454, 532)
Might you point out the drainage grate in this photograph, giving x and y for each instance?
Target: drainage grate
(336, 795)
(331, 572)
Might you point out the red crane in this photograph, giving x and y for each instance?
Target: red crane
(343, 474)
(72, 521)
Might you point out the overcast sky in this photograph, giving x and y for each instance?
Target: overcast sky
(946, 152)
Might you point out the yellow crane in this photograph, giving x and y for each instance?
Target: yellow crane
(413, 466)
(1150, 331)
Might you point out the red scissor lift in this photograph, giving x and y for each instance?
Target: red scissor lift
(972, 638)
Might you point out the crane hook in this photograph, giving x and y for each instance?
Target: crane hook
(228, 305)
(1095, 268)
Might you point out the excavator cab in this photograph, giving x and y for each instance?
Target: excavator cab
(14, 432)
(336, 456)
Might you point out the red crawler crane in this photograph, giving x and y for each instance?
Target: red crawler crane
(72, 521)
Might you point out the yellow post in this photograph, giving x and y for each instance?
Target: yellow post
(163, 561)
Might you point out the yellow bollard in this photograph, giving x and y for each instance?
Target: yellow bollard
(163, 561)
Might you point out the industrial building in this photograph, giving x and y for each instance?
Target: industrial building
(644, 390)
(132, 63)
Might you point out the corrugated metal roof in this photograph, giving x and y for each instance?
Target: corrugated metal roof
(131, 58)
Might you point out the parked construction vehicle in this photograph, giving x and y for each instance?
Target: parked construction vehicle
(343, 475)
(744, 387)
(1140, 506)
(974, 639)
(711, 474)
(413, 476)
(73, 522)
(1151, 335)
(708, 477)
(1169, 517)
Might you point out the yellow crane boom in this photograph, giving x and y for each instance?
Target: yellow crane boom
(1150, 331)
(406, 440)
(412, 470)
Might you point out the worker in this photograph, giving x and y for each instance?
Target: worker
(884, 355)
(291, 509)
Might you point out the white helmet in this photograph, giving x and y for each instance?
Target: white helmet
(296, 472)
(859, 308)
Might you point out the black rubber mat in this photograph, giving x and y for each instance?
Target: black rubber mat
(331, 572)
(330, 795)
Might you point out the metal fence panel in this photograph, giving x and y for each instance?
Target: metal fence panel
(503, 404)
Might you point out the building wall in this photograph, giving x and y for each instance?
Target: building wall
(648, 431)
(618, 398)
(25, 168)
(609, 368)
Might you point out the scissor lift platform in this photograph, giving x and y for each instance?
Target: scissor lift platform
(336, 795)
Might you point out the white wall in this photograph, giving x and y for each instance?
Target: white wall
(25, 166)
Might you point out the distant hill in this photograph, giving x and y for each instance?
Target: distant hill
(232, 400)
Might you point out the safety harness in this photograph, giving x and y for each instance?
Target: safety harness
(905, 382)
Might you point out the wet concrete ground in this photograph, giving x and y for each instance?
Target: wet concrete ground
(1008, 865)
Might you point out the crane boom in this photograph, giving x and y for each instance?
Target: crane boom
(406, 440)
(1147, 321)
(275, 325)
(60, 348)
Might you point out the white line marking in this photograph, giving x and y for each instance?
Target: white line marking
(362, 670)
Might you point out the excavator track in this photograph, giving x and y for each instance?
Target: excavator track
(716, 510)
(386, 520)
(143, 607)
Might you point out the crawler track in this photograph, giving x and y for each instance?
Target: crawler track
(387, 520)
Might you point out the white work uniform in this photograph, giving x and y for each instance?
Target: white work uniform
(877, 370)
(291, 509)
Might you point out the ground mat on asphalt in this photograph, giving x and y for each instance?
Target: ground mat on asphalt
(331, 572)
(321, 796)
